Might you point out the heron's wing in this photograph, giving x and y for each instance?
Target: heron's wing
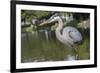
(75, 36)
(66, 36)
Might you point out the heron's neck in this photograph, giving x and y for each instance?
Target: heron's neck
(60, 25)
(59, 29)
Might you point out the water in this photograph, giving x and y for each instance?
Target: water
(43, 46)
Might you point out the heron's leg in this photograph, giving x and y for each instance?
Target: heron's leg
(76, 53)
(74, 49)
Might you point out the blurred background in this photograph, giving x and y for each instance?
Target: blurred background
(39, 43)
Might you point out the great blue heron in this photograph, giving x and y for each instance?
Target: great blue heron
(67, 35)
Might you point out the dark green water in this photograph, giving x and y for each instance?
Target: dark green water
(37, 48)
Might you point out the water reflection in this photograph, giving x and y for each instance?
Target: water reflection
(42, 46)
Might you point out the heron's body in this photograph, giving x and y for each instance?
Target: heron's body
(67, 35)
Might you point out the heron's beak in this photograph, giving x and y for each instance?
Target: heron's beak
(44, 23)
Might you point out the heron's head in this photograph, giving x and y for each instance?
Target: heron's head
(52, 19)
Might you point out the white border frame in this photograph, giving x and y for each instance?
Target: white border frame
(51, 64)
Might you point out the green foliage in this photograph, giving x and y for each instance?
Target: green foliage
(32, 14)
